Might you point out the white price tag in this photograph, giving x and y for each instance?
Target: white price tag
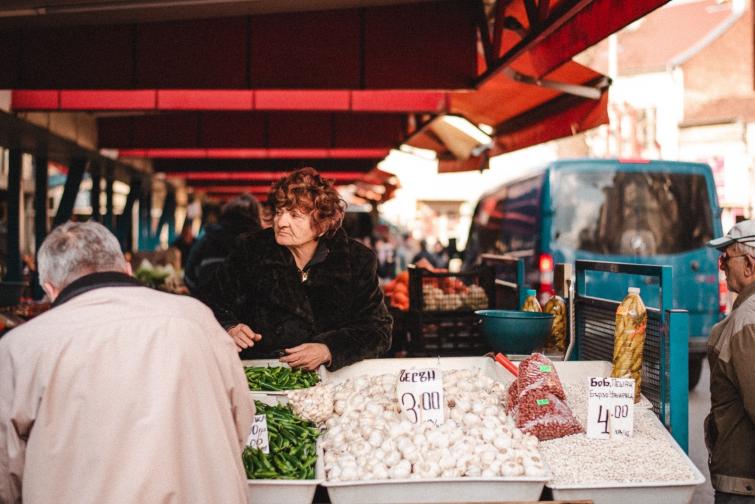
(258, 435)
(420, 395)
(610, 407)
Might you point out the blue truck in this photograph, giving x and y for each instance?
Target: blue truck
(640, 211)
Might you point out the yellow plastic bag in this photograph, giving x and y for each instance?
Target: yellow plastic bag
(557, 338)
(629, 341)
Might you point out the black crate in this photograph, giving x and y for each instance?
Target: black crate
(450, 293)
(441, 319)
(447, 336)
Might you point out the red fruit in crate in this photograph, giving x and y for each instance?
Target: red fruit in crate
(432, 282)
(448, 285)
(389, 287)
(460, 287)
(402, 277)
(400, 300)
(401, 288)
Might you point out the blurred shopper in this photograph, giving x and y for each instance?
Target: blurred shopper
(267, 213)
(405, 251)
(240, 215)
(303, 291)
(441, 256)
(184, 242)
(385, 249)
(424, 253)
(119, 393)
(730, 426)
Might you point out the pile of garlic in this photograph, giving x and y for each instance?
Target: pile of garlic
(366, 437)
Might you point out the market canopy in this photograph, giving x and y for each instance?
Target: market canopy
(260, 87)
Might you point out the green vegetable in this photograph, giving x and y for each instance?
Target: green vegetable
(293, 450)
(279, 378)
(151, 277)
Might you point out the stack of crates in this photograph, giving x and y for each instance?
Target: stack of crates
(441, 319)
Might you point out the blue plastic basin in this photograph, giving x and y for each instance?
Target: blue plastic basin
(515, 332)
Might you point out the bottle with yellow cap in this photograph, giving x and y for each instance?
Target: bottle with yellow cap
(530, 302)
(629, 340)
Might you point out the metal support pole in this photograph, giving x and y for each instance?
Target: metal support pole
(168, 216)
(94, 194)
(13, 272)
(109, 215)
(678, 375)
(41, 174)
(187, 220)
(125, 219)
(520, 282)
(145, 218)
(172, 220)
(70, 191)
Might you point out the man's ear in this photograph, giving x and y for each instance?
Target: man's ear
(750, 264)
(51, 291)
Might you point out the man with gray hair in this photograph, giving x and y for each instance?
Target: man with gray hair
(730, 426)
(119, 393)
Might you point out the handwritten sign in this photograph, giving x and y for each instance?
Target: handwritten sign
(610, 407)
(420, 394)
(258, 435)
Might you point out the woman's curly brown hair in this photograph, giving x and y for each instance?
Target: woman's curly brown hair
(306, 191)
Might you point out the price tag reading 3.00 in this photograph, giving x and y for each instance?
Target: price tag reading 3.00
(610, 407)
(420, 395)
(258, 435)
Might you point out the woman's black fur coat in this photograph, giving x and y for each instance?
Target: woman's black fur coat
(340, 304)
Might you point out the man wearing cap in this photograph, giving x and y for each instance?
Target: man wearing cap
(730, 426)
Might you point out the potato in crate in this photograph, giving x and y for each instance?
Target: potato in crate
(443, 291)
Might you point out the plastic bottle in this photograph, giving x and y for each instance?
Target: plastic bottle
(629, 340)
(557, 339)
(530, 302)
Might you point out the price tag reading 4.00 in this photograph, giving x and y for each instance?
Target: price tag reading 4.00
(610, 407)
(258, 435)
(420, 394)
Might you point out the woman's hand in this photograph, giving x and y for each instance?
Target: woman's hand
(307, 355)
(243, 336)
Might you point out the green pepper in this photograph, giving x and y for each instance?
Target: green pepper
(291, 442)
(279, 378)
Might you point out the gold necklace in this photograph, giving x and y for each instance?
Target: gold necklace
(304, 275)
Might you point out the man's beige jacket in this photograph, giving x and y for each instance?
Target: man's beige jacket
(122, 395)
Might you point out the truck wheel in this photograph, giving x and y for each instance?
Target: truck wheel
(695, 370)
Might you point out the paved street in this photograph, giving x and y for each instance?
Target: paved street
(699, 405)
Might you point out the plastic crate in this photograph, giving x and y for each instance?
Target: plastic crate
(446, 336)
(444, 292)
(441, 319)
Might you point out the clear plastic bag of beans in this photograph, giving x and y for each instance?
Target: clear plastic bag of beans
(545, 416)
(538, 372)
(512, 396)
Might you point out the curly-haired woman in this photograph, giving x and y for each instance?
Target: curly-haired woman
(302, 290)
